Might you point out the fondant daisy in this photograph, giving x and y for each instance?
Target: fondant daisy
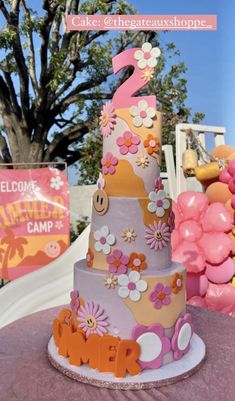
(101, 181)
(159, 203)
(147, 56)
(180, 341)
(137, 262)
(147, 74)
(128, 143)
(117, 262)
(177, 283)
(129, 235)
(157, 235)
(92, 319)
(89, 258)
(160, 296)
(171, 221)
(107, 119)
(143, 114)
(142, 161)
(153, 345)
(151, 144)
(104, 240)
(131, 286)
(110, 281)
(108, 163)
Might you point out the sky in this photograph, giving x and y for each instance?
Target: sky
(208, 55)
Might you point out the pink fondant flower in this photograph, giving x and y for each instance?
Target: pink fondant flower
(128, 143)
(108, 162)
(157, 235)
(161, 295)
(153, 345)
(107, 119)
(180, 341)
(92, 319)
(158, 184)
(171, 221)
(118, 262)
(200, 233)
(74, 303)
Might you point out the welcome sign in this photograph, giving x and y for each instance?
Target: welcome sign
(34, 219)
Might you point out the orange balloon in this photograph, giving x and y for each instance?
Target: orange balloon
(232, 156)
(218, 192)
(222, 151)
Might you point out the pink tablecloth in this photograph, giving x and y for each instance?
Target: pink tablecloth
(26, 375)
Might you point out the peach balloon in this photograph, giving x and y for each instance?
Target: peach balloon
(218, 192)
(222, 151)
(232, 156)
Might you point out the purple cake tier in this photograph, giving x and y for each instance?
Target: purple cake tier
(129, 227)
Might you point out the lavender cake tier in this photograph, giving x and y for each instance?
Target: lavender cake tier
(128, 226)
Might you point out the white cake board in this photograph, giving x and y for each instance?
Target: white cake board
(167, 374)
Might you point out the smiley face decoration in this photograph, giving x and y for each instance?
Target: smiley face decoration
(100, 198)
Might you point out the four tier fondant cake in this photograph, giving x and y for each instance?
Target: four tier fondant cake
(128, 305)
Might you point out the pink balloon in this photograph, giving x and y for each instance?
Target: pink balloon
(217, 218)
(231, 186)
(221, 297)
(233, 201)
(222, 273)
(178, 216)
(175, 239)
(216, 247)
(190, 256)
(192, 204)
(197, 301)
(196, 284)
(190, 230)
(225, 177)
(231, 167)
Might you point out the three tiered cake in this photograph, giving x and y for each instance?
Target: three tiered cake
(127, 311)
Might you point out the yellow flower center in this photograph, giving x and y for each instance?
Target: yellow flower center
(105, 119)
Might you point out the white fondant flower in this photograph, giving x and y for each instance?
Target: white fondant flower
(147, 57)
(159, 203)
(143, 114)
(56, 183)
(101, 181)
(131, 286)
(104, 240)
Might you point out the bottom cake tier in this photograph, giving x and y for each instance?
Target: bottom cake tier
(125, 324)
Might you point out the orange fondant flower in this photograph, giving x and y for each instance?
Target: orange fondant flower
(137, 262)
(177, 283)
(151, 144)
(147, 74)
(89, 258)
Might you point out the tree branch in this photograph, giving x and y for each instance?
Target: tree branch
(4, 10)
(14, 101)
(64, 139)
(13, 24)
(32, 66)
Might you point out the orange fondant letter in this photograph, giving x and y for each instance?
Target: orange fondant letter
(66, 332)
(82, 351)
(127, 354)
(56, 331)
(107, 353)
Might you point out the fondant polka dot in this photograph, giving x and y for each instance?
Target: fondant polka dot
(151, 346)
(184, 336)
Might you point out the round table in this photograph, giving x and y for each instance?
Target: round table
(26, 374)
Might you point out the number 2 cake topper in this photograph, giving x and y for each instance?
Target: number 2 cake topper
(143, 60)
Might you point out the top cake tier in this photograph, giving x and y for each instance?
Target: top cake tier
(131, 128)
